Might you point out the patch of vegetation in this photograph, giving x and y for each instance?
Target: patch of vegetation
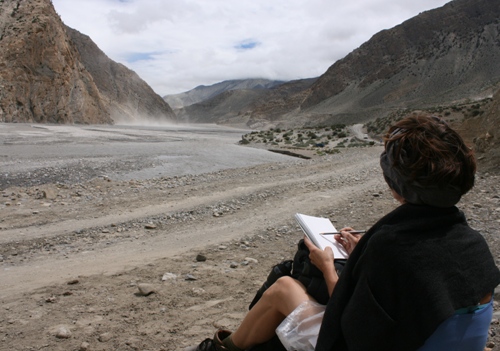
(323, 140)
(452, 113)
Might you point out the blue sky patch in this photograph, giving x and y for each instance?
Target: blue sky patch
(247, 44)
(140, 56)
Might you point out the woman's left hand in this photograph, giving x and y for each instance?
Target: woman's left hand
(323, 259)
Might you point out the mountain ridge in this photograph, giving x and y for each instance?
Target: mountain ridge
(204, 92)
(44, 78)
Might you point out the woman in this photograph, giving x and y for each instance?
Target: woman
(418, 274)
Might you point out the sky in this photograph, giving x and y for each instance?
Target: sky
(177, 45)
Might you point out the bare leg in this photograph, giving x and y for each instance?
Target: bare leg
(278, 301)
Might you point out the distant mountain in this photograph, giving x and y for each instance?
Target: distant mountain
(234, 106)
(52, 74)
(202, 92)
(446, 55)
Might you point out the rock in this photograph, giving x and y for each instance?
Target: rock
(145, 289)
(73, 282)
(63, 332)
(49, 193)
(201, 258)
(84, 346)
(251, 260)
(105, 337)
(169, 276)
(150, 226)
(198, 291)
(51, 299)
(190, 277)
(233, 265)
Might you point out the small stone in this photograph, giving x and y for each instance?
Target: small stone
(190, 277)
(105, 337)
(201, 258)
(84, 346)
(51, 299)
(145, 289)
(150, 226)
(198, 291)
(169, 276)
(73, 282)
(478, 205)
(233, 265)
(49, 194)
(251, 260)
(63, 333)
(222, 247)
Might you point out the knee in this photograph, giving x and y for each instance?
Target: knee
(280, 289)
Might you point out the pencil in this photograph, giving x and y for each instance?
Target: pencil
(352, 232)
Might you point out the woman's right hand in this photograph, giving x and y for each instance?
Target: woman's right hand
(347, 240)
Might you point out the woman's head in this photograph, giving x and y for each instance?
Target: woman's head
(427, 162)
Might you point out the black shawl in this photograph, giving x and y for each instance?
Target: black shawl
(408, 273)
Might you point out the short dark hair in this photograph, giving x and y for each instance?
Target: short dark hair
(427, 149)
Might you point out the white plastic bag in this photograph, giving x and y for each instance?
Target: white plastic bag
(299, 330)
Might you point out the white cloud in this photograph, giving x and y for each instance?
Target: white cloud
(175, 45)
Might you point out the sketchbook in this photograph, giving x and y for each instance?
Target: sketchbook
(313, 226)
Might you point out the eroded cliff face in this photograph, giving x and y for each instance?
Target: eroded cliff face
(41, 76)
(44, 78)
(130, 98)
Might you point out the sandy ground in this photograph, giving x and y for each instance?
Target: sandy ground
(78, 239)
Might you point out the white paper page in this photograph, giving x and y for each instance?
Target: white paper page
(322, 225)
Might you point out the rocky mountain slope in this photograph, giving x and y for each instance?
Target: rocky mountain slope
(443, 56)
(202, 92)
(484, 129)
(233, 106)
(45, 78)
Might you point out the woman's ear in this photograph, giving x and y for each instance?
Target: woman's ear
(398, 197)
